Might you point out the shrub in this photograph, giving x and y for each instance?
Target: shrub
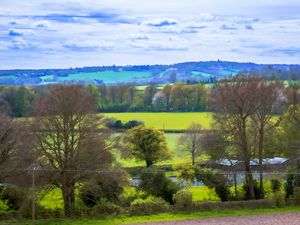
(40, 211)
(183, 199)
(252, 204)
(296, 195)
(275, 185)
(102, 186)
(13, 196)
(132, 123)
(148, 206)
(130, 194)
(278, 199)
(105, 207)
(157, 184)
(213, 179)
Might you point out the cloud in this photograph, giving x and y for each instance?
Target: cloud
(83, 45)
(41, 24)
(291, 51)
(161, 22)
(19, 44)
(14, 32)
(19, 32)
(228, 27)
(249, 27)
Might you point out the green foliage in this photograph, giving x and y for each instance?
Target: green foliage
(278, 199)
(105, 207)
(256, 190)
(292, 181)
(157, 184)
(296, 195)
(203, 194)
(148, 206)
(103, 186)
(275, 185)
(147, 144)
(183, 199)
(13, 196)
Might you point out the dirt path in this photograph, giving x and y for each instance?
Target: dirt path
(267, 219)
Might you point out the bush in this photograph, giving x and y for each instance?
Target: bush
(102, 186)
(157, 184)
(148, 206)
(275, 185)
(132, 123)
(183, 199)
(213, 179)
(13, 196)
(40, 211)
(296, 195)
(105, 207)
(252, 204)
(278, 199)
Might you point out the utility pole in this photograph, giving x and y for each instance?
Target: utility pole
(33, 196)
(32, 168)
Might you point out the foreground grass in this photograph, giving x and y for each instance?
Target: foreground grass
(156, 218)
(168, 121)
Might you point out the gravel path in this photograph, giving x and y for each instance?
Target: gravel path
(267, 219)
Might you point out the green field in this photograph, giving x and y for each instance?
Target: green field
(166, 121)
(106, 77)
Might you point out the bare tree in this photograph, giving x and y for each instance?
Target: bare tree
(234, 104)
(269, 102)
(190, 141)
(8, 142)
(218, 148)
(69, 140)
(16, 152)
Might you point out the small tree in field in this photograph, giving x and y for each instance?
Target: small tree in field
(190, 141)
(147, 144)
(69, 141)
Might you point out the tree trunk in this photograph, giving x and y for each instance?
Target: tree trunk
(235, 186)
(249, 179)
(193, 158)
(149, 163)
(68, 192)
(261, 168)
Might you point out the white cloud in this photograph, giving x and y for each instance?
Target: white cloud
(76, 33)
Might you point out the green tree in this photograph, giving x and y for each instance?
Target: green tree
(144, 143)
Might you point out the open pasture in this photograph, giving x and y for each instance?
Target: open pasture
(166, 120)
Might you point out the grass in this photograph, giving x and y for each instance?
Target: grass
(168, 121)
(156, 218)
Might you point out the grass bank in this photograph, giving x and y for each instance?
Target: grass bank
(155, 218)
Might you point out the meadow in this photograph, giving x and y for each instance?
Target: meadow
(166, 120)
(106, 77)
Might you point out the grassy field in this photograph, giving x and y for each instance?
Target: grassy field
(106, 77)
(155, 218)
(169, 121)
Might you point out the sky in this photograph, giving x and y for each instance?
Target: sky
(75, 33)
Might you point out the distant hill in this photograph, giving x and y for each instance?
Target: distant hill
(145, 74)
